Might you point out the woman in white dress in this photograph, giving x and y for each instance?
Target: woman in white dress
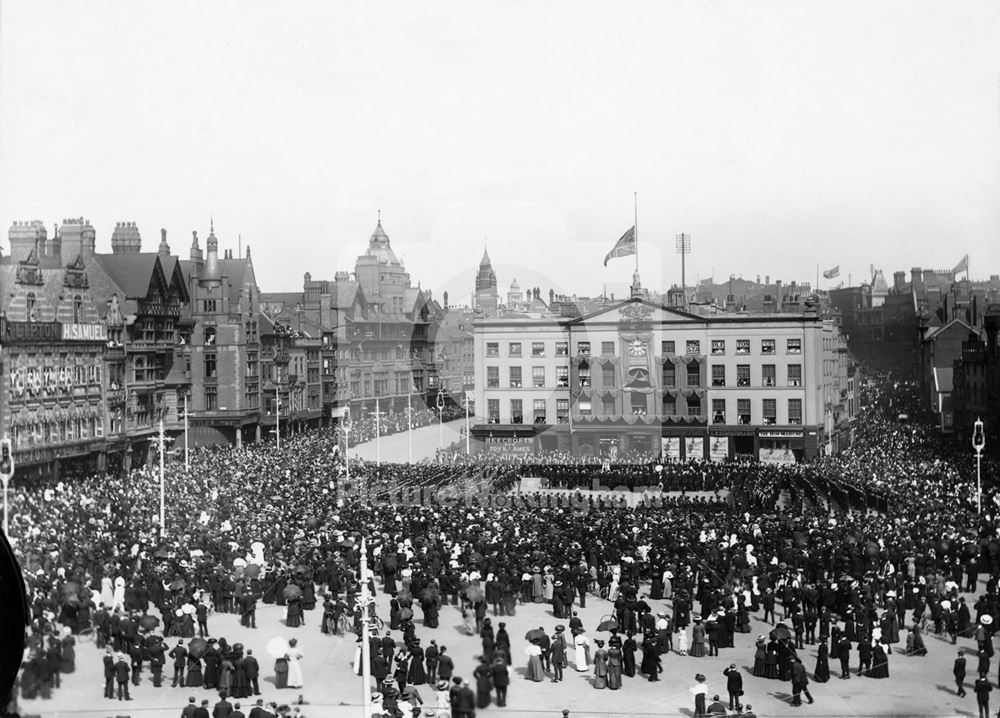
(582, 652)
(294, 655)
(119, 599)
(616, 575)
(107, 592)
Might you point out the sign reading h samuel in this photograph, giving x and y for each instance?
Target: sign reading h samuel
(52, 331)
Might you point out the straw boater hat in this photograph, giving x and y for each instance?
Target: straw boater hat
(986, 620)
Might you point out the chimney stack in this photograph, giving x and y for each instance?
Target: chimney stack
(26, 237)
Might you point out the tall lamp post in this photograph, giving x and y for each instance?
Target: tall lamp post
(409, 421)
(440, 405)
(978, 443)
(277, 411)
(467, 452)
(6, 473)
(187, 461)
(163, 504)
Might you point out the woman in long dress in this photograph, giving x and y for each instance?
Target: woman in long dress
(582, 657)
(534, 653)
(915, 642)
(697, 639)
(281, 672)
(760, 657)
(629, 648)
(293, 616)
(600, 666)
(683, 645)
(193, 677)
(822, 672)
(880, 662)
(699, 690)
(294, 655)
(614, 668)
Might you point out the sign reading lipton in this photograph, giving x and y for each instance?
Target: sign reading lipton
(29, 331)
(84, 332)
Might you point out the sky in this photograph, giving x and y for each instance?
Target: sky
(783, 137)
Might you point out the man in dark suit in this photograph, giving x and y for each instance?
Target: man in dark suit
(501, 679)
(388, 647)
(223, 709)
(431, 658)
(982, 689)
(558, 655)
(864, 657)
(546, 645)
(109, 673)
(189, 709)
(122, 671)
(157, 658)
(734, 684)
(959, 671)
(237, 713)
(582, 584)
(799, 682)
(446, 666)
(844, 651)
(799, 626)
(258, 710)
(809, 617)
(202, 613)
(179, 654)
(465, 702)
(252, 669)
(102, 624)
(201, 711)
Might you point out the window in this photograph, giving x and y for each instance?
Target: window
(767, 346)
(211, 398)
(538, 376)
(669, 405)
(718, 375)
(492, 349)
(718, 411)
(77, 309)
(562, 349)
(607, 375)
(210, 366)
(583, 349)
(608, 405)
(538, 349)
(669, 375)
(768, 375)
(694, 405)
(493, 411)
(794, 375)
(562, 376)
(562, 410)
(516, 411)
(718, 346)
(794, 411)
(770, 411)
(584, 374)
(210, 336)
(692, 346)
(607, 348)
(693, 375)
(29, 307)
(538, 411)
(743, 375)
(667, 348)
(638, 403)
(794, 346)
(515, 349)
(584, 407)
(742, 346)
(742, 411)
(492, 377)
(515, 377)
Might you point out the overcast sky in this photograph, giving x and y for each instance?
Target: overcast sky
(780, 135)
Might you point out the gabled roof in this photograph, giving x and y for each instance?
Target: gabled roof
(642, 308)
(944, 379)
(131, 272)
(935, 331)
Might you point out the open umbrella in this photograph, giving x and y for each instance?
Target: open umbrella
(301, 568)
(70, 588)
(277, 647)
(607, 623)
(197, 647)
(72, 600)
(292, 592)
(149, 622)
(252, 571)
(404, 595)
(178, 584)
(474, 594)
(533, 634)
(780, 632)
(405, 613)
(189, 609)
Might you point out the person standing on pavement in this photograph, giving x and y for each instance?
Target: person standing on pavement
(122, 672)
(109, 673)
(734, 684)
(501, 680)
(800, 681)
(982, 689)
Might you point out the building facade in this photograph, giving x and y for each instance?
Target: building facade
(643, 378)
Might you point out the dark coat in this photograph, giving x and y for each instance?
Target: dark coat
(501, 675)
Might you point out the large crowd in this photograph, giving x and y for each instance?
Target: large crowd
(248, 525)
(366, 427)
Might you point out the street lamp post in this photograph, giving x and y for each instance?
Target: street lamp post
(440, 405)
(409, 422)
(6, 473)
(187, 461)
(978, 443)
(365, 632)
(467, 452)
(163, 440)
(378, 435)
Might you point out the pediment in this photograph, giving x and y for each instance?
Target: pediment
(637, 312)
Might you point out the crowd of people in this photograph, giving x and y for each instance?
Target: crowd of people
(248, 525)
(394, 421)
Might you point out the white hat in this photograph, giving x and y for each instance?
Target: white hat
(986, 620)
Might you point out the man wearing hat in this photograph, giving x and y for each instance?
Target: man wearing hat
(558, 653)
(501, 680)
(959, 672)
(201, 711)
(982, 689)
(190, 708)
(445, 664)
(179, 654)
(734, 685)
(431, 659)
(122, 672)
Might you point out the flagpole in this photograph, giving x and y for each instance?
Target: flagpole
(635, 202)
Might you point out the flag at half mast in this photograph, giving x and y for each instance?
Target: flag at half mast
(831, 273)
(623, 247)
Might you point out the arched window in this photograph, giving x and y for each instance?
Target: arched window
(30, 306)
(210, 336)
(77, 309)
